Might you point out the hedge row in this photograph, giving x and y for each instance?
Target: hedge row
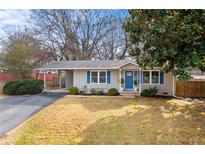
(151, 92)
(111, 91)
(23, 86)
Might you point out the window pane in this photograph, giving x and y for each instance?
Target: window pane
(102, 77)
(94, 77)
(146, 77)
(155, 77)
(135, 75)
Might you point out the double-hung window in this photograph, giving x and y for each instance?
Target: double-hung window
(146, 77)
(94, 77)
(102, 77)
(155, 77)
(150, 77)
(98, 76)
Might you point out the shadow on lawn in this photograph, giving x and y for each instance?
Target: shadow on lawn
(161, 123)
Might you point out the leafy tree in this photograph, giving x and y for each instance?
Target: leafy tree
(170, 39)
(22, 53)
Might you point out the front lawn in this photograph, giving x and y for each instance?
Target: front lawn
(98, 120)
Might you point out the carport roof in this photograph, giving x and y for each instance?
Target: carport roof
(86, 64)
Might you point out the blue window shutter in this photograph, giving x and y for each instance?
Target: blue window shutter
(88, 77)
(139, 77)
(161, 77)
(108, 77)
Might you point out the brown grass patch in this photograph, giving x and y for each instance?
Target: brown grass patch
(113, 121)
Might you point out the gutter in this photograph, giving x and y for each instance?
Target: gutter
(173, 86)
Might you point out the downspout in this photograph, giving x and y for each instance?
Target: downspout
(173, 86)
(60, 82)
(44, 81)
(120, 81)
(140, 80)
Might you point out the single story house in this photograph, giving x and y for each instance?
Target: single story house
(106, 74)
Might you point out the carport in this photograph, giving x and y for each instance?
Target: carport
(46, 72)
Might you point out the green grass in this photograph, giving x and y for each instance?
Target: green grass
(113, 121)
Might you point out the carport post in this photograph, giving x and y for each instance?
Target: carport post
(44, 80)
(173, 86)
(59, 73)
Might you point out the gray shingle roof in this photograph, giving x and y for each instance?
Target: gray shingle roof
(86, 64)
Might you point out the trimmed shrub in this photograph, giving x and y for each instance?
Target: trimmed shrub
(151, 92)
(23, 86)
(113, 92)
(96, 91)
(73, 90)
(145, 92)
(135, 82)
(122, 81)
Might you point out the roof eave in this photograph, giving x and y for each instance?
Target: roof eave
(102, 68)
(127, 64)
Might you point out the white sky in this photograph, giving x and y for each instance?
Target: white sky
(13, 18)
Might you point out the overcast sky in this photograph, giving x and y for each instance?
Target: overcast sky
(13, 18)
(18, 18)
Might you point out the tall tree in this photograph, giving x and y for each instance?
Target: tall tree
(115, 44)
(80, 34)
(170, 39)
(22, 52)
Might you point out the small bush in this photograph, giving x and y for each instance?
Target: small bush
(73, 90)
(23, 86)
(135, 82)
(113, 92)
(122, 81)
(151, 92)
(92, 91)
(145, 92)
(96, 91)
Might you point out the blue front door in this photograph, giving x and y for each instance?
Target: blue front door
(128, 80)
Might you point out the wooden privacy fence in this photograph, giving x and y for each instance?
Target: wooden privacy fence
(190, 88)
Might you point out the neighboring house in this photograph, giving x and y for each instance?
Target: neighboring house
(6, 76)
(106, 74)
(40, 76)
(197, 75)
(2, 69)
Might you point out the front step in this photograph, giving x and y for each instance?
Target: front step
(130, 93)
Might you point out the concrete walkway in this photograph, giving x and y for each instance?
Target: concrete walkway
(100, 96)
(16, 109)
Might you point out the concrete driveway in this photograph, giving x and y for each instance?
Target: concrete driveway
(14, 110)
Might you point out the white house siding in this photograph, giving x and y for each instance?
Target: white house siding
(130, 67)
(166, 87)
(123, 73)
(68, 78)
(80, 80)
